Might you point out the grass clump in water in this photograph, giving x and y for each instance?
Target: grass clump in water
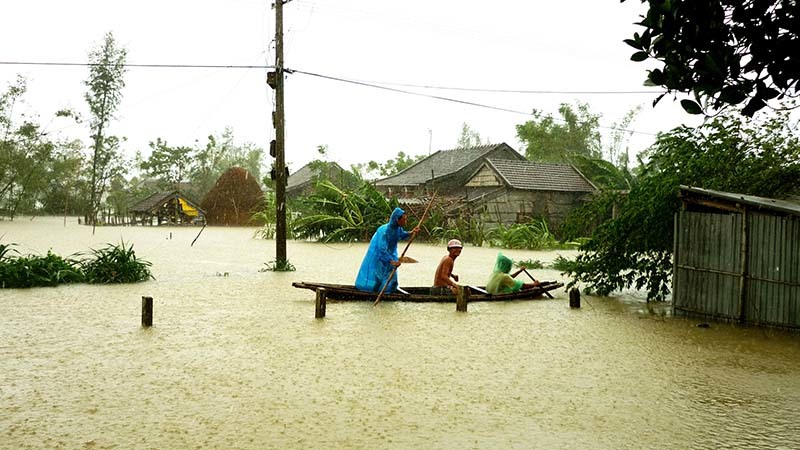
(274, 266)
(36, 271)
(115, 264)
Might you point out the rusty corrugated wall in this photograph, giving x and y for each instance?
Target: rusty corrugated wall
(738, 266)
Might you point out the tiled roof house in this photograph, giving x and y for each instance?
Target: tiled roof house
(302, 182)
(517, 191)
(444, 172)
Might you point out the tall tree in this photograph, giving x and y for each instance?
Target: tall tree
(390, 167)
(170, 165)
(469, 137)
(722, 52)
(26, 156)
(726, 154)
(549, 139)
(220, 154)
(105, 83)
(66, 190)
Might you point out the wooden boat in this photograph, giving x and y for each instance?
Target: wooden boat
(423, 294)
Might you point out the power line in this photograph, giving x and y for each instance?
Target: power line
(509, 91)
(374, 85)
(365, 82)
(437, 97)
(151, 66)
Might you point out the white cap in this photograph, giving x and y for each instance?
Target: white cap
(454, 243)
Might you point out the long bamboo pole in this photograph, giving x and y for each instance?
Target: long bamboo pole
(410, 240)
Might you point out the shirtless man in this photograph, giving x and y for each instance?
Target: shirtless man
(445, 278)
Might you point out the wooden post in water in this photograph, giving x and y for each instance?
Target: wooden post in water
(574, 298)
(147, 311)
(462, 298)
(322, 296)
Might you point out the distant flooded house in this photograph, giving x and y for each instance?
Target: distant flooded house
(303, 181)
(166, 208)
(444, 172)
(494, 181)
(508, 191)
(737, 258)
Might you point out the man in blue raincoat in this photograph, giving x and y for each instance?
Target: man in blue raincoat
(381, 257)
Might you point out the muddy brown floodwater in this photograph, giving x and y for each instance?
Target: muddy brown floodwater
(236, 360)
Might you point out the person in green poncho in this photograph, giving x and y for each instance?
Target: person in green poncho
(500, 282)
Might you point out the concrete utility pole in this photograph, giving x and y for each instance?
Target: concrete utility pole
(280, 155)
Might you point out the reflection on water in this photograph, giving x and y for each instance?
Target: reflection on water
(239, 361)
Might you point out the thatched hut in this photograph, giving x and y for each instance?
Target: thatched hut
(233, 199)
(167, 208)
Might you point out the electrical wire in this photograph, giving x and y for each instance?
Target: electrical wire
(149, 66)
(438, 97)
(374, 85)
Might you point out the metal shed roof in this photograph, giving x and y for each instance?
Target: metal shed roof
(750, 200)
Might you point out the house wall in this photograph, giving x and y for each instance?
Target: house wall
(517, 206)
(450, 185)
(485, 177)
(739, 267)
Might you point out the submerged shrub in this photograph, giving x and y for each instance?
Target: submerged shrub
(563, 264)
(115, 264)
(36, 271)
(274, 266)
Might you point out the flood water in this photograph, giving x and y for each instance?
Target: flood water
(236, 359)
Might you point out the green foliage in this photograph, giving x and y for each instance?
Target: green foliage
(583, 220)
(36, 271)
(220, 154)
(6, 249)
(534, 235)
(468, 137)
(390, 167)
(549, 139)
(529, 264)
(268, 217)
(115, 264)
(343, 215)
(30, 163)
(170, 165)
(465, 227)
(722, 52)
(275, 266)
(563, 264)
(602, 173)
(726, 154)
(105, 83)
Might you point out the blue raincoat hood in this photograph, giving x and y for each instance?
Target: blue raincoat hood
(396, 214)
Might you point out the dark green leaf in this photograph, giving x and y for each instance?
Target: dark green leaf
(632, 43)
(691, 107)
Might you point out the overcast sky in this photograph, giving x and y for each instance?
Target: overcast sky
(562, 47)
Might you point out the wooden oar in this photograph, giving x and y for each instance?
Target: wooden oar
(547, 293)
(402, 255)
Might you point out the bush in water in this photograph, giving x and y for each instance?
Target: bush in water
(115, 264)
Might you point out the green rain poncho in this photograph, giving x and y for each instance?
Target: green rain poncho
(500, 282)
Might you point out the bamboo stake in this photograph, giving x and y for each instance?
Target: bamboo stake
(391, 275)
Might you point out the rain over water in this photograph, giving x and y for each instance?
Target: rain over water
(236, 359)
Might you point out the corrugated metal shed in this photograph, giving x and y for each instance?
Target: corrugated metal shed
(737, 258)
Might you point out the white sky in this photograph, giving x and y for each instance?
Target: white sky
(554, 45)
